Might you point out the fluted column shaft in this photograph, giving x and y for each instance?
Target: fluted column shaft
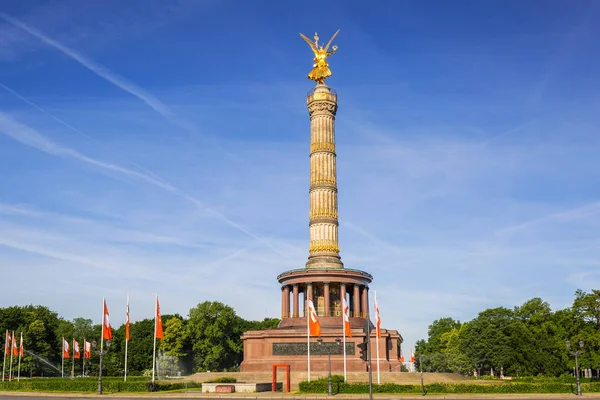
(323, 216)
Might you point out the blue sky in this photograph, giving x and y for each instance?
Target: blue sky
(151, 147)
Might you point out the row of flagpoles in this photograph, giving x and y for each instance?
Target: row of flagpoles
(16, 352)
(87, 346)
(314, 329)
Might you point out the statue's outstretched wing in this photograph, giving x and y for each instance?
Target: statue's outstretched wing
(331, 40)
(310, 43)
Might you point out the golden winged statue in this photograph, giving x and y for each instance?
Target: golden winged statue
(320, 70)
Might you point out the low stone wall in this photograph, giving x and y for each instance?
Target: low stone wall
(238, 387)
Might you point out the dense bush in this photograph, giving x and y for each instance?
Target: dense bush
(321, 386)
(109, 385)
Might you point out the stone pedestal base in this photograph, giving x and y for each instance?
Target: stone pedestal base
(285, 345)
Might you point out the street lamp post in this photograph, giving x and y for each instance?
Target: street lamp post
(576, 353)
(421, 374)
(329, 380)
(100, 353)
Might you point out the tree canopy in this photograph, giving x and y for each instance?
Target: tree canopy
(529, 339)
(208, 339)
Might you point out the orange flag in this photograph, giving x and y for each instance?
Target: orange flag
(7, 343)
(401, 356)
(378, 325)
(66, 349)
(159, 328)
(314, 327)
(15, 349)
(106, 331)
(347, 330)
(76, 352)
(127, 321)
(412, 356)
(21, 347)
(87, 349)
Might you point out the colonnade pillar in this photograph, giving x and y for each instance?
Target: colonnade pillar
(364, 309)
(326, 298)
(296, 313)
(286, 301)
(356, 298)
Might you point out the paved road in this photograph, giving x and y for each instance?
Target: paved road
(276, 396)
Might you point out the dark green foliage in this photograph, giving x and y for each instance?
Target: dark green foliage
(321, 385)
(208, 340)
(90, 385)
(528, 340)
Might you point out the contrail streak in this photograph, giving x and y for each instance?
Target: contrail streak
(101, 71)
(32, 138)
(72, 128)
(115, 79)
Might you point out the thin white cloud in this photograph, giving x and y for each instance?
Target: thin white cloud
(103, 72)
(564, 216)
(32, 138)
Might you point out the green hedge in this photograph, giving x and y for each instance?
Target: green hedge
(321, 386)
(109, 385)
(223, 379)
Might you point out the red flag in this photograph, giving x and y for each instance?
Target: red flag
(87, 349)
(314, 327)
(15, 349)
(378, 325)
(76, 352)
(21, 347)
(66, 349)
(127, 321)
(7, 343)
(106, 332)
(158, 322)
(347, 330)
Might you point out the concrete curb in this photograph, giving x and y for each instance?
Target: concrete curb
(277, 396)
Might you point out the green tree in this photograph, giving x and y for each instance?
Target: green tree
(214, 330)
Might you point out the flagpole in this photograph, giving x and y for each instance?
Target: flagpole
(308, 337)
(62, 366)
(154, 350)
(344, 331)
(83, 360)
(20, 347)
(73, 361)
(5, 347)
(11, 356)
(126, 340)
(377, 339)
(101, 344)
